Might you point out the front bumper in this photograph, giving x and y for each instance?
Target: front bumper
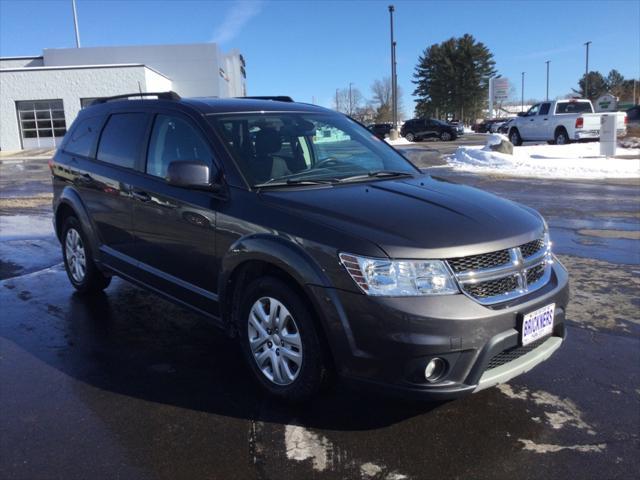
(387, 342)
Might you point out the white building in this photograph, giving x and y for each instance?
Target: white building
(41, 96)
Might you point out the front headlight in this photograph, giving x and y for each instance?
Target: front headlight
(399, 278)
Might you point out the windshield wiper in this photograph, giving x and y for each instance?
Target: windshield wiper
(296, 181)
(376, 174)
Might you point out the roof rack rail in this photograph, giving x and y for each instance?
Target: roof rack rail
(276, 98)
(161, 96)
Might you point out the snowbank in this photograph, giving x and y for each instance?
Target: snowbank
(577, 160)
(399, 141)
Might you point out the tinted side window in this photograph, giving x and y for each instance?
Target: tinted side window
(544, 109)
(174, 140)
(83, 136)
(122, 139)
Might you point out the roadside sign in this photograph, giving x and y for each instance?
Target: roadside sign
(500, 89)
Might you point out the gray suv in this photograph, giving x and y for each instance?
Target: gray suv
(315, 245)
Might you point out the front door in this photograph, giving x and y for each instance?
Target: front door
(174, 226)
(528, 129)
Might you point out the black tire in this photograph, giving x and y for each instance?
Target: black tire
(515, 138)
(551, 142)
(313, 373)
(561, 137)
(446, 136)
(410, 137)
(93, 280)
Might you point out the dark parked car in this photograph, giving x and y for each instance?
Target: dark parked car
(380, 130)
(316, 246)
(418, 129)
(458, 126)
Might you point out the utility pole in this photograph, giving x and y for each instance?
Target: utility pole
(522, 93)
(393, 71)
(350, 100)
(547, 62)
(75, 23)
(337, 102)
(586, 73)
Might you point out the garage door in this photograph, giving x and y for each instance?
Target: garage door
(42, 123)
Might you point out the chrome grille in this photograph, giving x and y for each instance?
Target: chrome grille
(534, 274)
(478, 262)
(531, 248)
(493, 287)
(501, 275)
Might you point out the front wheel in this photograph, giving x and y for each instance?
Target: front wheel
(280, 340)
(514, 137)
(445, 136)
(410, 137)
(82, 271)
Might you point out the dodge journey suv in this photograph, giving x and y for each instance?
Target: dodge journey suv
(315, 245)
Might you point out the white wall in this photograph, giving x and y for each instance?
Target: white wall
(69, 85)
(193, 68)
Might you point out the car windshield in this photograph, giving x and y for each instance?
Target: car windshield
(284, 148)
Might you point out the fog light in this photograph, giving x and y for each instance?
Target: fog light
(434, 369)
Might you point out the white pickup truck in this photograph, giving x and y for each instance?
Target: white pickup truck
(561, 122)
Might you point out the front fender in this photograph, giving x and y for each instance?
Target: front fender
(278, 251)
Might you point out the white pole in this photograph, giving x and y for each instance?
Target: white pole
(491, 97)
(75, 23)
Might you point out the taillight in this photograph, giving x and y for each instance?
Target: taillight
(579, 122)
(626, 120)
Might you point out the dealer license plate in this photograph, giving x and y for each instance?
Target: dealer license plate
(538, 324)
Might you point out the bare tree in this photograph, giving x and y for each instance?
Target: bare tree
(348, 100)
(382, 98)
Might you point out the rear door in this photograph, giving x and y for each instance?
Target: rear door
(175, 226)
(104, 182)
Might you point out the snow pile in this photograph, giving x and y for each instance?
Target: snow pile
(399, 141)
(495, 139)
(577, 160)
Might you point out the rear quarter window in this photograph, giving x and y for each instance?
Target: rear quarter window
(83, 136)
(122, 139)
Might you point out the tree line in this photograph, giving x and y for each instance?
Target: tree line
(376, 109)
(597, 85)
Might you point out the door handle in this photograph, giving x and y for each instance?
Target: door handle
(531, 120)
(141, 196)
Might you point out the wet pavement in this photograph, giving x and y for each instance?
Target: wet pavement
(126, 385)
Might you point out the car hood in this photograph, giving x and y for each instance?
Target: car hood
(421, 217)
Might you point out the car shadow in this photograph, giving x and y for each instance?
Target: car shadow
(130, 342)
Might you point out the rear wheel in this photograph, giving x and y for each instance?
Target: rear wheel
(561, 137)
(82, 271)
(410, 137)
(279, 340)
(514, 137)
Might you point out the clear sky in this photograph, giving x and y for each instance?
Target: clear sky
(308, 49)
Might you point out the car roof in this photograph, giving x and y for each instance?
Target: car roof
(208, 106)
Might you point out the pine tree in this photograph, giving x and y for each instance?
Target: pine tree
(453, 78)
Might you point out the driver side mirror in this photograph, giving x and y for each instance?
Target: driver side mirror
(190, 174)
(522, 114)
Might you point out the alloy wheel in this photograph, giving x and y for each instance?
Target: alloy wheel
(274, 340)
(75, 255)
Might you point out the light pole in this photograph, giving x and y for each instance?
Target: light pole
(522, 93)
(393, 70)
(350, 100)
(75, 23)
(586, 73)
(547, 62)
(337, 102)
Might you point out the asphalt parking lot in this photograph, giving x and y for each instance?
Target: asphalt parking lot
(126, 385)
